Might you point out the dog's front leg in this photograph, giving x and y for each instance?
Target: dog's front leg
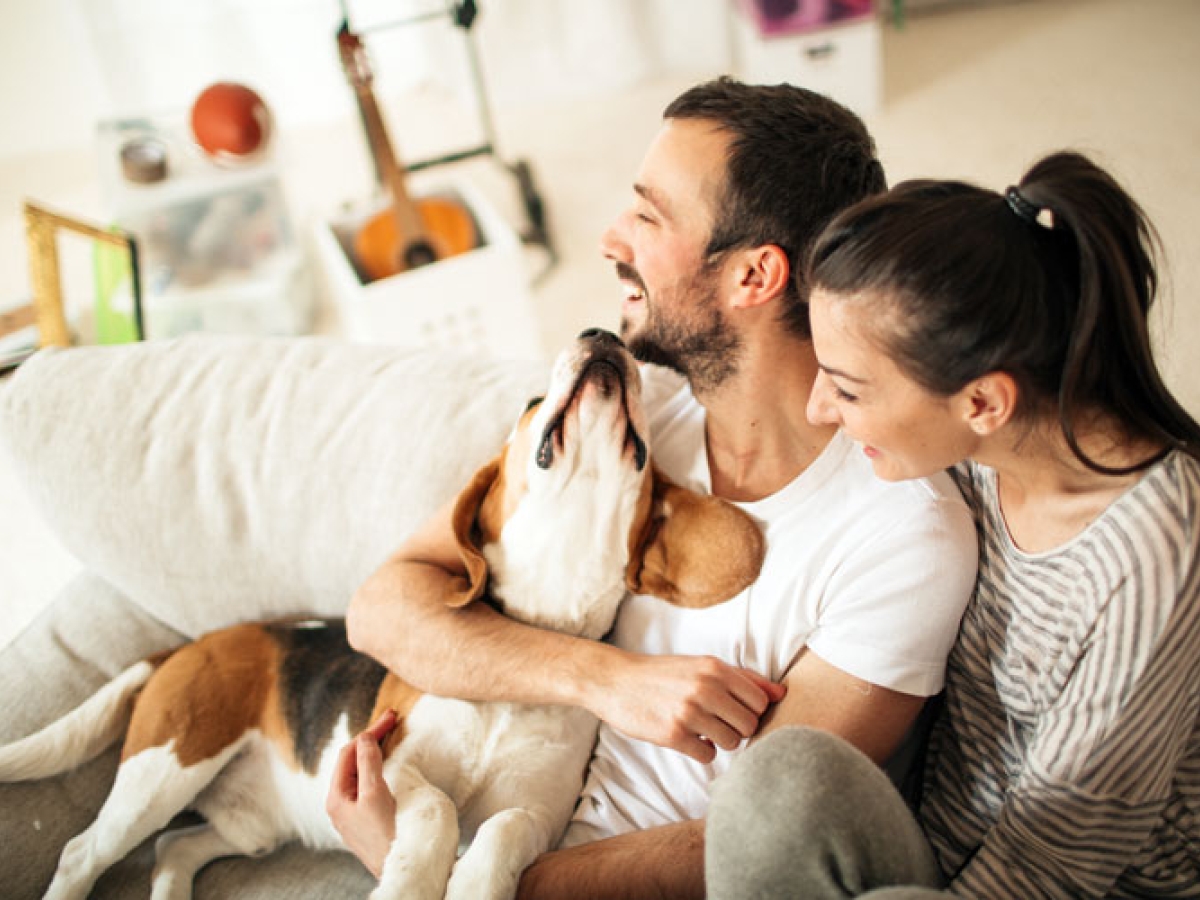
(418, 863)
(503, 848)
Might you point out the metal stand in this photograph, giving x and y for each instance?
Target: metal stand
(536, 230)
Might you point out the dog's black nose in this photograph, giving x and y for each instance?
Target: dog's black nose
(600, 336)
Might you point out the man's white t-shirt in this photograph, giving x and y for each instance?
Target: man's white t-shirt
(871, 576)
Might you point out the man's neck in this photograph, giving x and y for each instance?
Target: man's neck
(757, 434)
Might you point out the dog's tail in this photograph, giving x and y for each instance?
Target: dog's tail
(81, 734)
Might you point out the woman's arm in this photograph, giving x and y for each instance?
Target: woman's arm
(1102, 767)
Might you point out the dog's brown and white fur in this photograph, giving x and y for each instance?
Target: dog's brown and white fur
(244, 724)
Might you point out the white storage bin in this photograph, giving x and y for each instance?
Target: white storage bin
(840, 60)
(217, 248)
(475, 301)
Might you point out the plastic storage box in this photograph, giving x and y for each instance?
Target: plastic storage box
(217, 248)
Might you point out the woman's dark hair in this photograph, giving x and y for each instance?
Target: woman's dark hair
(796, 159)
(1050, 282)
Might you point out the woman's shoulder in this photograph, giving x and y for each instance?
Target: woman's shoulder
(1178, 474)
(1168, 495)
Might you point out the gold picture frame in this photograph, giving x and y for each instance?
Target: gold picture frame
(47, 311)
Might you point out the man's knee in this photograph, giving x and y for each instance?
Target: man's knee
(801, 809)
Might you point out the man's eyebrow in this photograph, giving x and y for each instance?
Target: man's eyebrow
(830, 370)
(654, 198)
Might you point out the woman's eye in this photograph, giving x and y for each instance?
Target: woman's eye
(843, 395)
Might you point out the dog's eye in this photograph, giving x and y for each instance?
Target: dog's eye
(532, 403)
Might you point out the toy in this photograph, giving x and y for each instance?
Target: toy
(230, 122)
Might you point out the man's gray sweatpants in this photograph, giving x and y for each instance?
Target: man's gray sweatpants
(802, 814)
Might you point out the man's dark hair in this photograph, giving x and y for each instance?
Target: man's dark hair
(796, 159)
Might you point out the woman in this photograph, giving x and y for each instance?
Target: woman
(1006, 335)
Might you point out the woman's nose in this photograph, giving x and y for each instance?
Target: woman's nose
(821, 410)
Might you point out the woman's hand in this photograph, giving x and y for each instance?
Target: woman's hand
(359, 803)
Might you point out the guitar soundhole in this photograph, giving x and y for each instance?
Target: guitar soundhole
(419, 253)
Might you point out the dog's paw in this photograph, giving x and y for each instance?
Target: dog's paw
(408, 886)
(414, 873)
(477, 878)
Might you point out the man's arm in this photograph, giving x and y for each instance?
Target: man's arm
(399, 617)
(669, 861)
(665, 863)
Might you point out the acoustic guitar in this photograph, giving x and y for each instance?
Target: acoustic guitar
(411, 232)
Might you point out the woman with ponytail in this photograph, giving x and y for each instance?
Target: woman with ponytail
(1005, 336)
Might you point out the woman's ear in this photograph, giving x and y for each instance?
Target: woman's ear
(989, 402)
(763, 273)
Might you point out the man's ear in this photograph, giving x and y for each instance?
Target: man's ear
(475, 524)
(763, 275)
(692, 550)
(989, 402)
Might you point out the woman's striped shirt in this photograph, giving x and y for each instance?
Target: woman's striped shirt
(1067, 762)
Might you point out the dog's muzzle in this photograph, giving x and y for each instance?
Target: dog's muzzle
(605, 366)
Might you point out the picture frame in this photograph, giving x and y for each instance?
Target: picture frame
(46, 314)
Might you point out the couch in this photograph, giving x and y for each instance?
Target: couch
(205, 481)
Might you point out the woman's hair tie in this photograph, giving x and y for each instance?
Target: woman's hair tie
(1030, 212)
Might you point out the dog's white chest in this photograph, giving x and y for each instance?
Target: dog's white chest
(576, 591)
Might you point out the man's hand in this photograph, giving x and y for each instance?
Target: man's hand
(359, 803)
(692, 704)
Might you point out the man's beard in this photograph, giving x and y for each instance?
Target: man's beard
(703, 347)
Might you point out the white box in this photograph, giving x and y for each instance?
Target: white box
(841, 61)
(475, 301)
(217, 248)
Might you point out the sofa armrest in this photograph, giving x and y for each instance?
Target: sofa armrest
(213, 480)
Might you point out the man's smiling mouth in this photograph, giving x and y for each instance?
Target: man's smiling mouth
(630, 283)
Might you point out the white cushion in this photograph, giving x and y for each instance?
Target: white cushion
(214, 480)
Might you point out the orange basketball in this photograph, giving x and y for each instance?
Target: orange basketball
(230, 121)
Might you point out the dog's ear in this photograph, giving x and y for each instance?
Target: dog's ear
(476, 523)
(692, 549)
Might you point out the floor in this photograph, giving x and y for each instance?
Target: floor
(976, 92)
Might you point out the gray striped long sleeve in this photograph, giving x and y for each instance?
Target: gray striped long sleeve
(1067, 763)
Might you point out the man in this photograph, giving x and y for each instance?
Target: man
(849, 624)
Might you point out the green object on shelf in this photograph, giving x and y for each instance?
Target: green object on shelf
(111, 271)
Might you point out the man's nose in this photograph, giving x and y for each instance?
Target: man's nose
(613, 244)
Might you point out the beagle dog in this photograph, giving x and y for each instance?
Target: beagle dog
(244, 725)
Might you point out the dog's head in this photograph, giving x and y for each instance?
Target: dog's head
(573, 504)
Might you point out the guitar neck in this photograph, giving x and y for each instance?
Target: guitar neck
(390, 170)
